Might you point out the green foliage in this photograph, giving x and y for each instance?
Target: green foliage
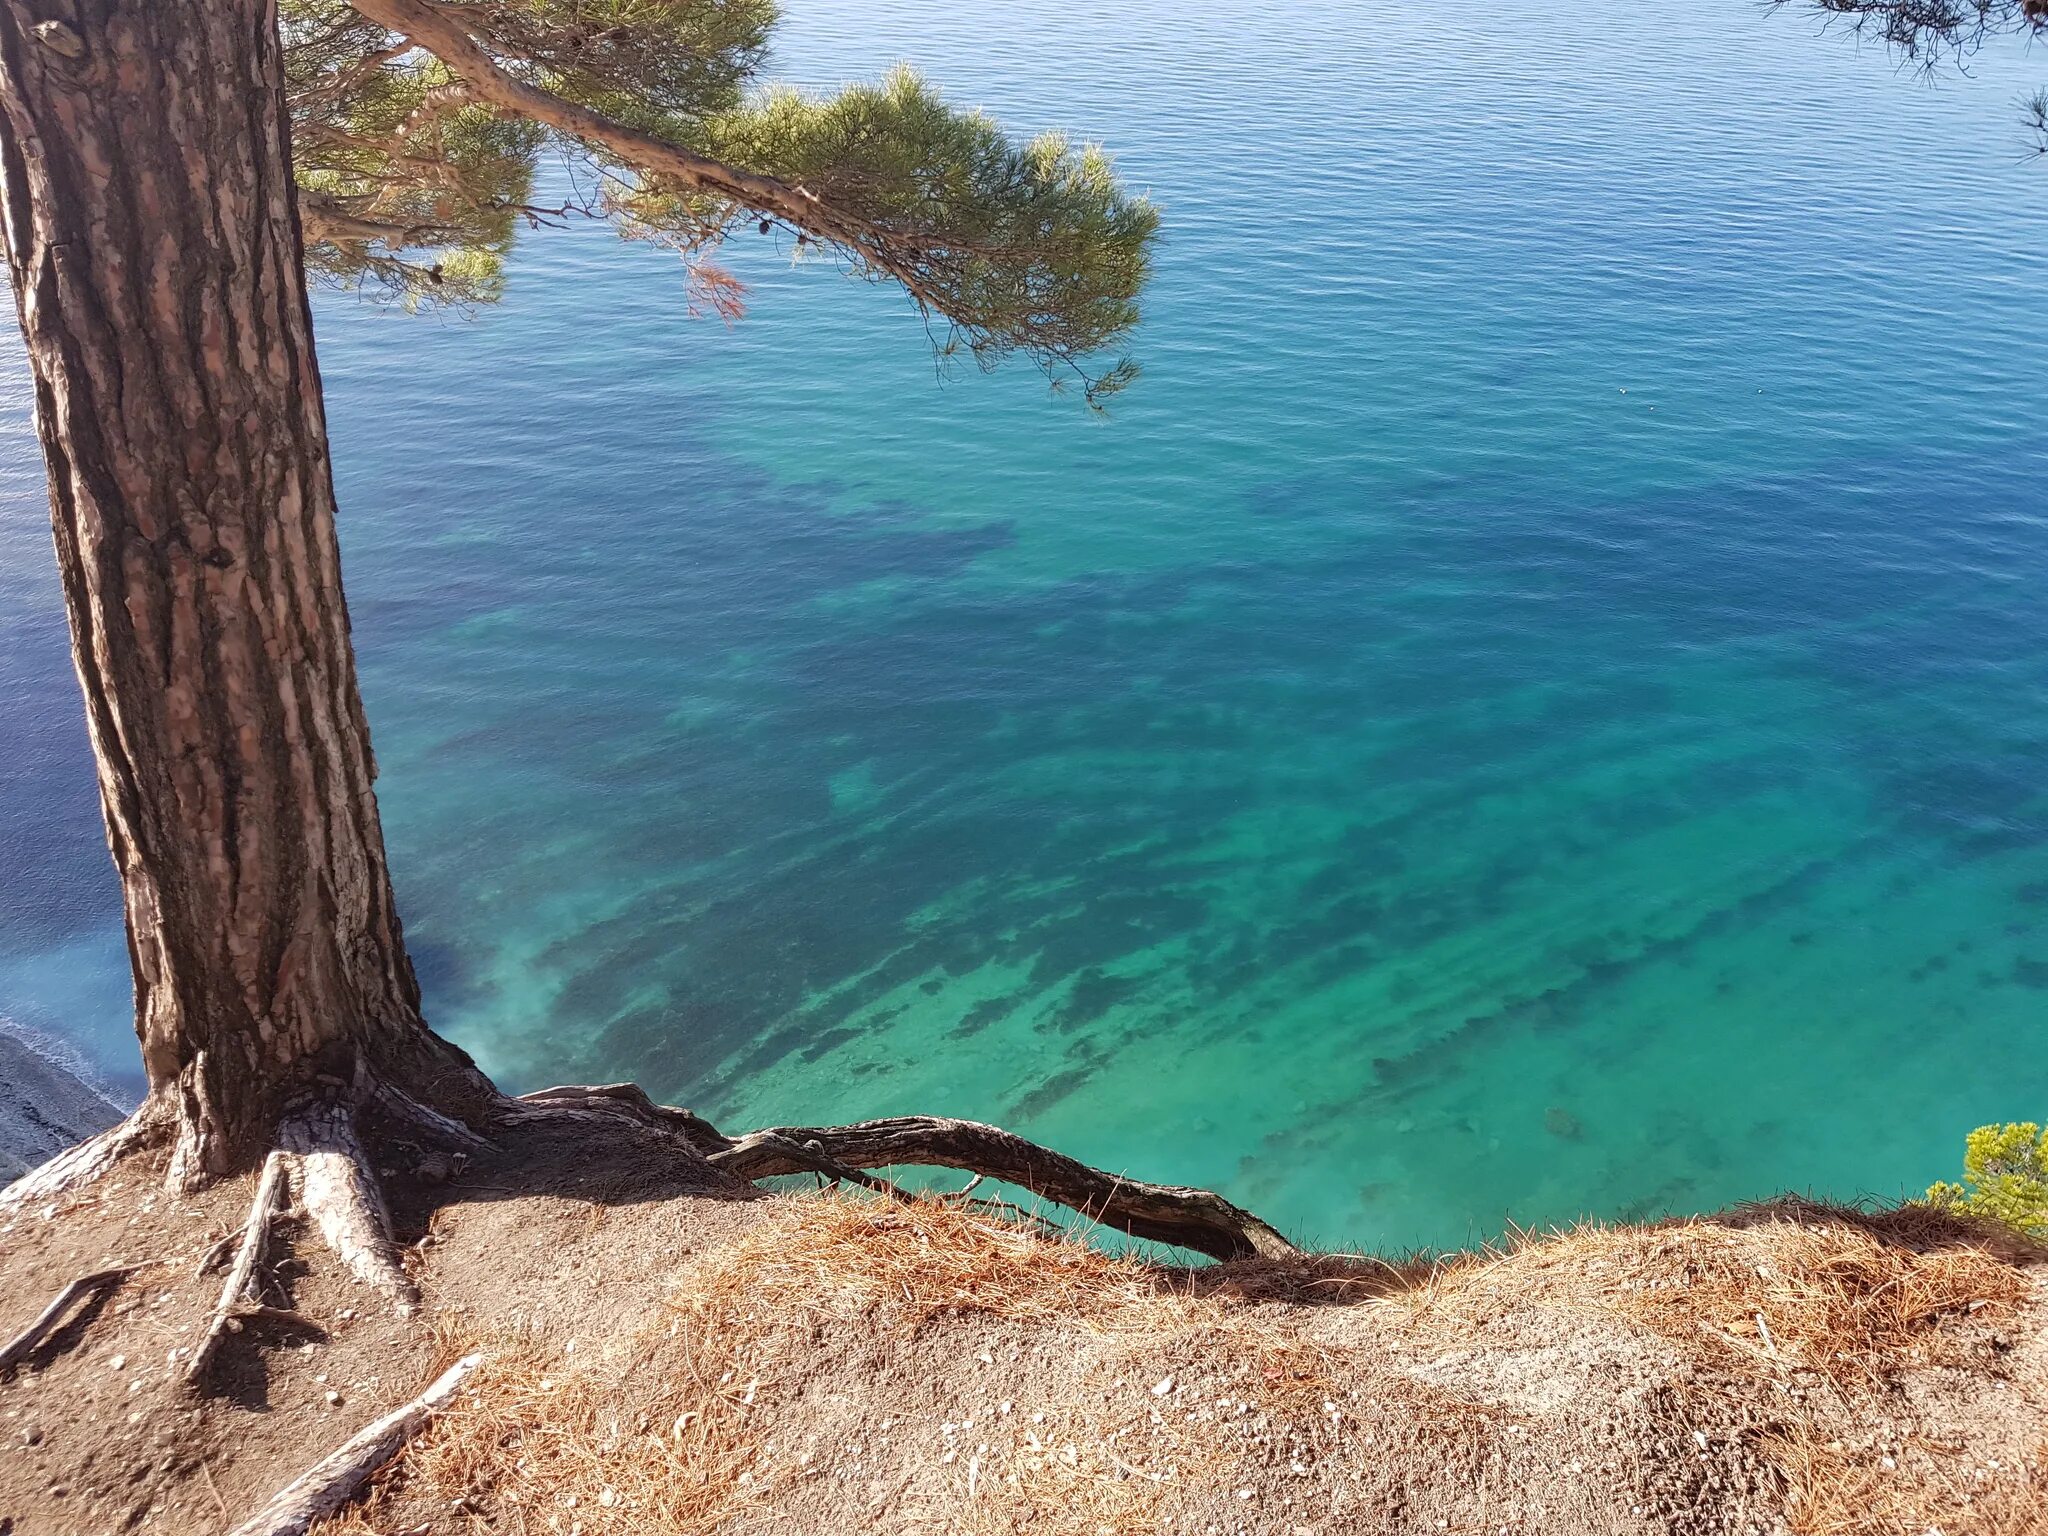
(397, 150)
(410, 185)
(1030, 247)
(658, 65)
(2005, 1177)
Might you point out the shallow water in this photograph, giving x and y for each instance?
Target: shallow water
(1537, 704)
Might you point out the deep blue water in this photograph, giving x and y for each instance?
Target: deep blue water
(1537, 703)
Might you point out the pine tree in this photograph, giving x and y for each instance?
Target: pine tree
(172, 174)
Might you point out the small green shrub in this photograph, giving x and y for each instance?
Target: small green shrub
(2005, 1177)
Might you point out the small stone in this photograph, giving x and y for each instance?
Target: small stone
(1163, 1387)
(333, 1398)
(117, 1363)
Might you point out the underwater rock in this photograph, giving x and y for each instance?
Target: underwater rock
(1563, 1124)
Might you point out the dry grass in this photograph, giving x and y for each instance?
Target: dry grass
(684, 1428)
(1831, 1490)
(705, 1418)
(844, 1255)
(1830, 1297)
(1801, 1295)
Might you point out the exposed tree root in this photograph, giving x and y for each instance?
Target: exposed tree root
(342, 1476)
(803, 1157)
(1197, 1219)
(613, 1103)
(338, 1188)
(51, 1317)
(74, 1169)
(378, 1092)
(1189, 1218)
(240, 1291)
(337, 1185)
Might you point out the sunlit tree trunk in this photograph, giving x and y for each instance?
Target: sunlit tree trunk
(155, 252)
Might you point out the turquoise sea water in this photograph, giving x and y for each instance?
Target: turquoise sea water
(1536, 705)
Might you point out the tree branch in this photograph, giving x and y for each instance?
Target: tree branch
(436, 28)
(324, 218)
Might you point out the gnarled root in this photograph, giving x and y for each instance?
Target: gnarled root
(611, 1103)
(239, 1293)
(338, 1188)
(1188, 1218)
(801, 1157)
(374, 1091)
(342, 1476)
(51, 1317)
(1198, 1219)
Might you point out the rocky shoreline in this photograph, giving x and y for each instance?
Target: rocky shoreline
(44, 1107)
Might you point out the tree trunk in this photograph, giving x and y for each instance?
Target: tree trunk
(155, 251)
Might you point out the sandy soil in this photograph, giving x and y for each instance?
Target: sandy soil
(665, 1351)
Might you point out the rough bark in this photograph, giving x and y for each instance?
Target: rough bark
(152, 236)
(339, 1190)
(156, 260)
